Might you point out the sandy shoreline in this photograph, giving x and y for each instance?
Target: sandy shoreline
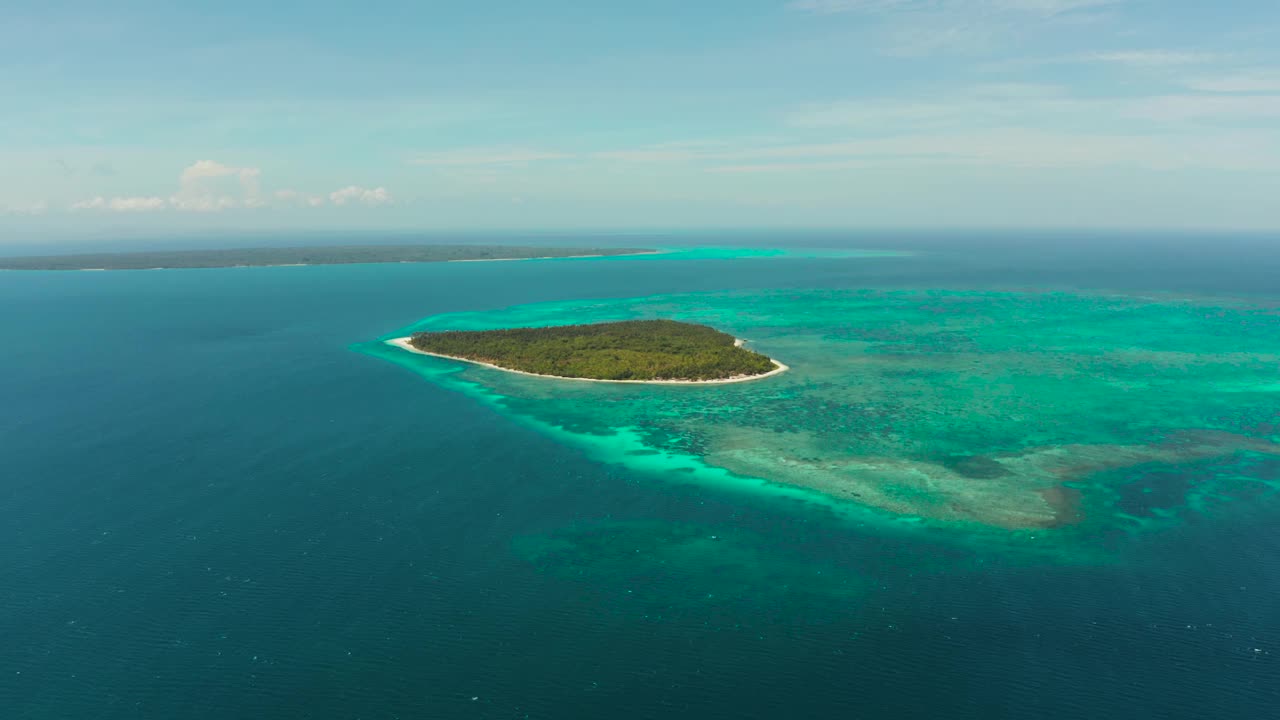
(403, 344)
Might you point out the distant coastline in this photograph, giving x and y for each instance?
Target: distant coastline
(306, 256)
(404, 344)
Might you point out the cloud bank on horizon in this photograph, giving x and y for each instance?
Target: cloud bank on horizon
(859, 113)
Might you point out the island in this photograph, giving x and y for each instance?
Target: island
(319, 255)
(636, 351)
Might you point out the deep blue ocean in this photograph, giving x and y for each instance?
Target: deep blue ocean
(211, 507)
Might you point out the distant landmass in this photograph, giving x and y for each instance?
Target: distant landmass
(630, 351)
(327, 255)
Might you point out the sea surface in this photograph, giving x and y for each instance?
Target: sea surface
(1008, 476)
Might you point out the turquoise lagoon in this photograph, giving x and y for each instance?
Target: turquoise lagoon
(1019, 415)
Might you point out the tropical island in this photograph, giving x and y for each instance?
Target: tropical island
(321, 255)
(645, 351)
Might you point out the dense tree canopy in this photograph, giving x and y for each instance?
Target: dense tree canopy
(631, 350)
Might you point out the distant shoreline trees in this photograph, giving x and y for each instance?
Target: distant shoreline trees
(320, 255)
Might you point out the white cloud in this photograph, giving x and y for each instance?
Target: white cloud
(293, 197)
(210, 169)
(1178, 108)
(210, 186)
(202, 202)
(1028, 105)
(485, 156)
(36, 208)
(137, 204)
(646, 155)
(1001, 125)
(1039, 7)
(1152, 58)
(913, 28)
(1248, 81)
(975, 106)
(1050, 7)
(1018, 147)
(829, 7)
(121, 204)
(353, 194)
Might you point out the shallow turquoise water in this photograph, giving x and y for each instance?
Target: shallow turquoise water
(959, 407)
(212, 507)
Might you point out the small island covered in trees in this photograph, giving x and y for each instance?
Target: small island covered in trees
(320, 255)
(651, 351)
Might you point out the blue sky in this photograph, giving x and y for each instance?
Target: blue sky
(143, 116)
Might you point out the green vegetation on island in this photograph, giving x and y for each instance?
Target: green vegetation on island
(331, 255)
(630, 350)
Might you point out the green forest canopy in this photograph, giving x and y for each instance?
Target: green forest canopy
(630, 350)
